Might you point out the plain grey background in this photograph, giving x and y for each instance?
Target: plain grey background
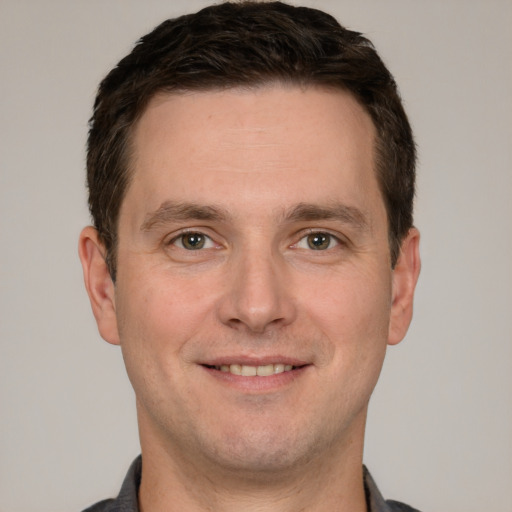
(440, 424)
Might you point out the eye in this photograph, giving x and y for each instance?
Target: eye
(318, 241)
(193, 241)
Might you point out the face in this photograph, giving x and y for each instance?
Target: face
(254, 297)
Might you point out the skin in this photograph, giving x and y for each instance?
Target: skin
(256, 175)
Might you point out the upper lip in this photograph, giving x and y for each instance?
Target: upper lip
(254, 361)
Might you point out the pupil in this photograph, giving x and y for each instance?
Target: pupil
(193, 241)
(318, 241)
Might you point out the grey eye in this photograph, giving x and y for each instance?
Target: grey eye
(318, 241)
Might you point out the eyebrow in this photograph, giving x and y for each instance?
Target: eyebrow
(171, 211)
(336, 211)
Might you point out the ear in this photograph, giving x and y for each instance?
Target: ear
(98, 283)
(405, 277)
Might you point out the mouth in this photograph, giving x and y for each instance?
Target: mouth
(265, 370)
(257, 375)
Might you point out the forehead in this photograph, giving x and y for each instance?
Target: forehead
(268, 145)
(269, 111)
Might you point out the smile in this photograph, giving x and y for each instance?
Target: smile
(254, 371)
(265, 377)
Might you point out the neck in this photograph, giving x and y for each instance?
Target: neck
(172, 482)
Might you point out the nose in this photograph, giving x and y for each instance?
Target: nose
(258, 294)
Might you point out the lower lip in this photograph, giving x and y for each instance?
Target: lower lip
(257, 384)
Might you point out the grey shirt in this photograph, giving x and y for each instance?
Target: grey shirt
(127, 499)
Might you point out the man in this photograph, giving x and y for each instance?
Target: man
(251, 179)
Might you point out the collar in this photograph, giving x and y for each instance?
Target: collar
(127, 499)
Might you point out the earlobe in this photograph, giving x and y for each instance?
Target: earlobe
(405, 277)
(98, 283)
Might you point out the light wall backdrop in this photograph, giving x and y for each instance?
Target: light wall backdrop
(440, 424)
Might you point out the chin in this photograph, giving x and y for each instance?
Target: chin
(262, 454)
(261, 462)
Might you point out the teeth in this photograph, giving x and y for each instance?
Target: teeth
(252, 371)
(264, 371)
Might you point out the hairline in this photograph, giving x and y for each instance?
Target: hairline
(128, 155)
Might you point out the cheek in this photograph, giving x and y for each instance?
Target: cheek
(353, 312)
(352, 303)
(155, 318)
(154, 326)
(156, 304)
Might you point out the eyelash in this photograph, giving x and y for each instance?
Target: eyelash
(178, 240)
(332, 239)
(304, 239)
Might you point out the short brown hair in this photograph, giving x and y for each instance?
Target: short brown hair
(246, 44)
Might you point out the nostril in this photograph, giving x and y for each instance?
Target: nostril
(256, 299)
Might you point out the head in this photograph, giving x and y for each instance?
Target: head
(248, 45)
(251, 175)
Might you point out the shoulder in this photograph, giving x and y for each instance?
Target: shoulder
(101, 506)
(396, 506)
(126, 501)
(375, 500)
